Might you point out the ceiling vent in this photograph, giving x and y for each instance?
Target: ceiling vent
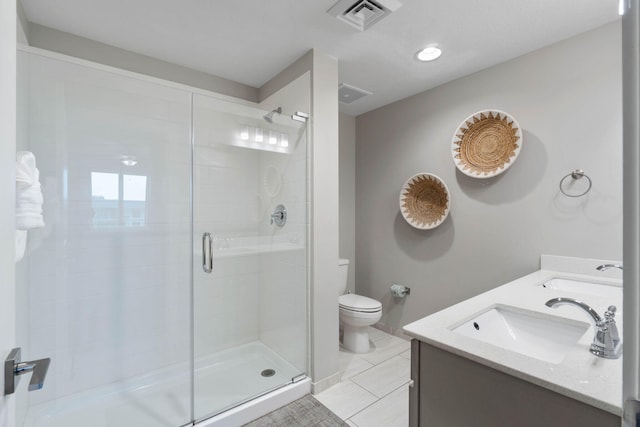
(348, 94)
(362, 14)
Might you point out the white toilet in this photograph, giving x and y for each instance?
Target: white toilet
(357, 313)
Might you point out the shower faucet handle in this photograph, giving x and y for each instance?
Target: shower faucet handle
(13, 368)
(279, 217)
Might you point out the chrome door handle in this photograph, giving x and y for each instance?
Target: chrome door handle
(13, 368)
(207, 253)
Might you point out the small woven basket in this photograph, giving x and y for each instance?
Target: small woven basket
(424, 201)
(486, 144)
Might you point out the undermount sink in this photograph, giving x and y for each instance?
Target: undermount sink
(587, 288)
(543, 337)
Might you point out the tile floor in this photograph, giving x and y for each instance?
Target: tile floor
(374, 387)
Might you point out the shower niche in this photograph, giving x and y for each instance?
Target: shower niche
(134, 172)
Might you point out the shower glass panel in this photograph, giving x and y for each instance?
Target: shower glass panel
(250, 275)
(104, 288)
(160, 287)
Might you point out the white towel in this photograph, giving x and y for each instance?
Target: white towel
(21, 244)
(28, 193)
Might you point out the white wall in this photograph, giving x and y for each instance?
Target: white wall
(347, 173)
(22, 25)
(567, 98)
(7, 193)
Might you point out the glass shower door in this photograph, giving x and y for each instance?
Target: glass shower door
(104, 288)
(250, 259)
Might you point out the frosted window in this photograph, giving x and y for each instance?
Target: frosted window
(135, 188)
(104, 186)
(109, 208)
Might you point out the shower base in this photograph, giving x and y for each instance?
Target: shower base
(222, 381)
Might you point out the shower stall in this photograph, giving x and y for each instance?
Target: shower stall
(170, 283)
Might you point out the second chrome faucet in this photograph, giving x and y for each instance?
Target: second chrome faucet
(606, 341)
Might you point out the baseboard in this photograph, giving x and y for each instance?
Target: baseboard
(325, 383)
(392, 331)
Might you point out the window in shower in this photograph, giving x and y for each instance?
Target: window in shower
(118, 199)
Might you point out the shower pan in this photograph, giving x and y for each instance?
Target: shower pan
(158, 287)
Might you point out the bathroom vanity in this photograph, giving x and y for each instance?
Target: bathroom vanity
(503, 358)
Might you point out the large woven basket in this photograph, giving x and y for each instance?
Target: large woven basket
(486, 143)
(425, 201)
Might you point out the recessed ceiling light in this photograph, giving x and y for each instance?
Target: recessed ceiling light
(129, 160)
(429, 53)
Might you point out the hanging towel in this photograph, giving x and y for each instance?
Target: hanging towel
(28, 199)
(28, 193)
(21, 244)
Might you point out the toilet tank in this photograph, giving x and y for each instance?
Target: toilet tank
(343, 267)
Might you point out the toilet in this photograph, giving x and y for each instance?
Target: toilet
(357, 313)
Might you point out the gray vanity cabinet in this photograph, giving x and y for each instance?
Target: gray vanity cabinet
(452, 391)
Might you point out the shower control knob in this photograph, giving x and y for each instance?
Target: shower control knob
(279, 217)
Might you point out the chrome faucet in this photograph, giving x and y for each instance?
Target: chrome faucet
(604, 267)
(606, 342)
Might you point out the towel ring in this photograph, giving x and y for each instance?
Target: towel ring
(576, 175)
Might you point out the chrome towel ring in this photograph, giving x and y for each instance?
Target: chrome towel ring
(576, 175)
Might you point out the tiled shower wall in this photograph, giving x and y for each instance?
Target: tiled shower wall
(105, 298)
(249, 295)
(283, 290)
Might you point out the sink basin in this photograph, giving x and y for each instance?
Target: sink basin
(586, 288)
(533, 334)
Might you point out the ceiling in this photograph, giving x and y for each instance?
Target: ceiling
(250, 41)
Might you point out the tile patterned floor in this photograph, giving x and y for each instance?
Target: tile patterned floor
(374, 387)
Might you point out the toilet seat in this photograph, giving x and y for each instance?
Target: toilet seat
(359, 303)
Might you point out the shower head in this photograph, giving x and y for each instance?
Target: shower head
(269, 116)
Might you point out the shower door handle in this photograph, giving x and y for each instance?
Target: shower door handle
(14, 367)
(207, 253)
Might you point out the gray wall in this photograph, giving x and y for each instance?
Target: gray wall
(324, 221)
(631, 166)
(80, 47)
(567, 99)
(347, 174)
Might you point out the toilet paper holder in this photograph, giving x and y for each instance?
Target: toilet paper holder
(400, 291)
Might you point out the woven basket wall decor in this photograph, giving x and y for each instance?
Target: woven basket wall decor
(486, 143)
(425, 201)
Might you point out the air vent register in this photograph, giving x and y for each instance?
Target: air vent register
(362, 14)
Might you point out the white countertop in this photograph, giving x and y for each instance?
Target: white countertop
(580, 375)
